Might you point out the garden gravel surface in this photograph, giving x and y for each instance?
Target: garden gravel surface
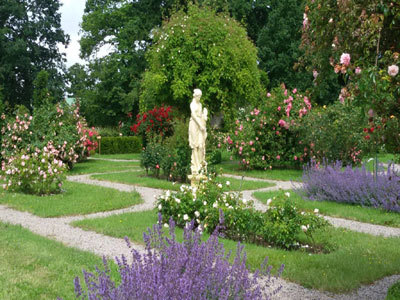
(60, 229)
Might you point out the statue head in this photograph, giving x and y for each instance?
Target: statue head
(197, 94)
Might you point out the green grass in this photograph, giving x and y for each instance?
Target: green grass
(231, 167)
(140, 178)
(358, 258)
(34, 267)
(77, 199)
(334, 209)
(128, 156)
(394, 292)
(101, 166)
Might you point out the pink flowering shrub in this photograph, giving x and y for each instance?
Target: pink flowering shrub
(268, 135)
(39, 172)
(62, 126)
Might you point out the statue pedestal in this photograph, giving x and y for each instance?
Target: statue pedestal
(195, 179)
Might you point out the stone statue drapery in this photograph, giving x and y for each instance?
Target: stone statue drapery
(197, 133)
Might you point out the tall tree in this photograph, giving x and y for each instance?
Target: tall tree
(29, 33)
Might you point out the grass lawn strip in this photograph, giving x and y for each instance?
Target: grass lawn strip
(127, 156)
(102, 166)
(357, 259)
(231, 167)
(340, 210)
(34, 267)
(140, 178)
(78, 199)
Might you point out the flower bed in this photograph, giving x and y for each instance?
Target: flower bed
(348, 185)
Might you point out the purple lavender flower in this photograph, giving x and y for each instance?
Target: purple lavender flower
(355, 186)
(172, 270)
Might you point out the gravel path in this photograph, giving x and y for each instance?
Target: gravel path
(61, 230)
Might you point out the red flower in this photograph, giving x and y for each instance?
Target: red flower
(365, 129)
(371, 129)
(367, 137)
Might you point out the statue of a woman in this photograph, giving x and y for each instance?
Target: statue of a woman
(197, 133)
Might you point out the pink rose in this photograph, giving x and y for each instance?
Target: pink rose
(358, 70)
(279, 108)
(268, 95)
(345, 59)
(278, 157)
(393, 70)
(282, 123)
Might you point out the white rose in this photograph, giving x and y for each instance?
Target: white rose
(159, 207)
(166, 225)
(220, 185)
(228, 183)
(205, 203)
(197, 214)
(215, 205)
(185, 217)
(304, 228)
(287, 194)
(269, 201)
(316, 210)
(177, 200)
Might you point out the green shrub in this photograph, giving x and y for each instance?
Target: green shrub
(268, 135)
(209, 205)
(152, 157)
(334, 133)
(120, 145)
(394, 292)
(39, 173)
(108, 131)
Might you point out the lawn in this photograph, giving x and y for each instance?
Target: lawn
(334, 209)
(34, 267)
(232, 167)
(101, 166)
(77, 199)
(355, 258)
(127, 156)
(140, 178)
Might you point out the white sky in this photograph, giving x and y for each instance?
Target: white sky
(71, 17)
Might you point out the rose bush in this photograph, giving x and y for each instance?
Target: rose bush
(268, 135)
(40, 172)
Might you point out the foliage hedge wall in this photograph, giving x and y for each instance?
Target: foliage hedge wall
(120, 145)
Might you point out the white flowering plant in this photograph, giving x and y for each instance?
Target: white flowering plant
(40, 172)
(196, 203)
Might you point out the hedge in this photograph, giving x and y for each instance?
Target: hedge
(120, 145)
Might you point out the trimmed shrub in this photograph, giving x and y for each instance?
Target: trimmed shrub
(354, 186)
(120, 145)
(173, 270)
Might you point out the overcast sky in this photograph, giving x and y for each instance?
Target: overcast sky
(71, 16)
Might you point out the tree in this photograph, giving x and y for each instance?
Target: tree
(278, 44)
(29, 33)
(201, 50)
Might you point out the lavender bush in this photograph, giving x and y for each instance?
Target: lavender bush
(356, 186)
(173, 270)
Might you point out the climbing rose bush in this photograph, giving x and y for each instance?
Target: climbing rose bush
(40, 172)
(268, 135)
(171, 270)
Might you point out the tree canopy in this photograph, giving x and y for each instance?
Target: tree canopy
(29, 33)
(200, 49)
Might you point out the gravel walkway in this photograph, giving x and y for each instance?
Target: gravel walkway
(61, 230)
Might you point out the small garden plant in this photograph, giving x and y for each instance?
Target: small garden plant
(208, 205)
(173, 270)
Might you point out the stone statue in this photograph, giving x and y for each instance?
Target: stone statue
(197, 133)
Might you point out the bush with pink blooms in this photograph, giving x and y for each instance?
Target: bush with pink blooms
(268, 135)
(39, 172)
(60, 125)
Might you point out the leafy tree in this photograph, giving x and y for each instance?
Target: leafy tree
(278, 44)
(29, 34)
(204, 50)
(41, 93)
